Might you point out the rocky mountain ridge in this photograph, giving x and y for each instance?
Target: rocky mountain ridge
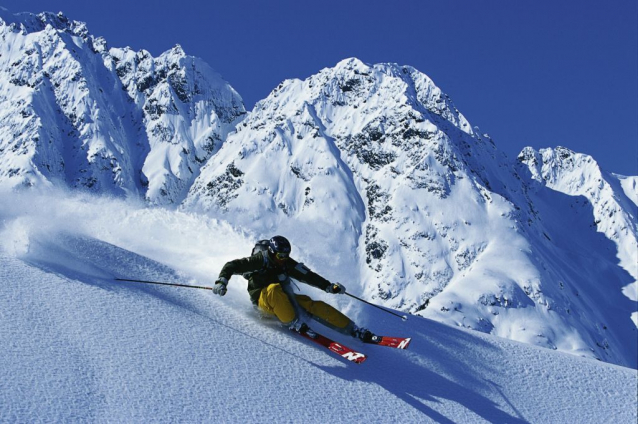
(106, 120)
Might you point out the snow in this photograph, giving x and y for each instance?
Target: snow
(75, 345)
(372, 173)
(630, 187)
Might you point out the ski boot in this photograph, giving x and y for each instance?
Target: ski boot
(301, 327)
(365, 335)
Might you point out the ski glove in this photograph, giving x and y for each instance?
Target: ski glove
(336, 288)
(220, 286)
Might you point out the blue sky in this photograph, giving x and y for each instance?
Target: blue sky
(536, 73)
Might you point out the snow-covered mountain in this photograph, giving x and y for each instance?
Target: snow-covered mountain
(389, 189)
(112, 121)
(612, 198)
(370, 170)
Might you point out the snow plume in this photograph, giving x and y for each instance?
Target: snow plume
(39, 224)
(194, 246)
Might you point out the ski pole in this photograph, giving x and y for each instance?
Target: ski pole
(403, 317)
(164, 284)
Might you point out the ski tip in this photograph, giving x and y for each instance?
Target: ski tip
(405, 343)
(356, 357)
(352, 356)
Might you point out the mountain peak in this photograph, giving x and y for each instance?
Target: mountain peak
(352, 64)
(177, 50)
(30, 23)
(553, 164)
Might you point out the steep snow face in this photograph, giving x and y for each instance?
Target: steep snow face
(610, 201)
(629, 186)
(79, 118)
(188, 111)
(383, 185)
(613, 197)
(59, 128)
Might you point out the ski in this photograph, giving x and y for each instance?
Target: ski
(335, 347)
(395, 342)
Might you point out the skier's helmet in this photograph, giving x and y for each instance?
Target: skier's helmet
(279, 248)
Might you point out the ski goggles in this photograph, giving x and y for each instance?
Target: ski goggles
(281, 256)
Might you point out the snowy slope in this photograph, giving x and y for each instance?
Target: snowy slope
(613, 198)
(629, 186)
(112, 121)
(387, 183)
(77, 346)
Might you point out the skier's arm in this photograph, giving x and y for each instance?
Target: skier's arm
(302, 273)
(241, 266)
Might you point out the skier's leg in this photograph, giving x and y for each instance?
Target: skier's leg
(330, 317)
(326, 314)
(274, 300)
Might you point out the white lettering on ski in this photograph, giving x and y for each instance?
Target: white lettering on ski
(353, 356)
(404, 344)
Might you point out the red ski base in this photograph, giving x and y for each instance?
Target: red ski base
(395, 342)
(341, 350)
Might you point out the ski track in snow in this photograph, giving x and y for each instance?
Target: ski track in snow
(77, 346)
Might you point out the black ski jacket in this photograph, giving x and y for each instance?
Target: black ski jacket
(261, 272)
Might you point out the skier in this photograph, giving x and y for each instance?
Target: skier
(269, 271)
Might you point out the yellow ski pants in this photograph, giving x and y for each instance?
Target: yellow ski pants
(274, 300)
